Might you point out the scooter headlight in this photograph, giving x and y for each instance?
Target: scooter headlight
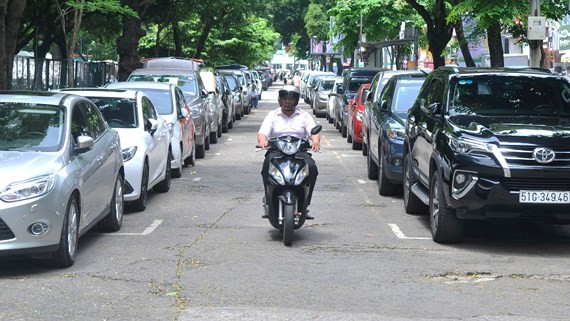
(276, 174)
(289, 148)
(304, 172)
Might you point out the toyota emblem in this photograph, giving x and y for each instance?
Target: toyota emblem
(543, 155)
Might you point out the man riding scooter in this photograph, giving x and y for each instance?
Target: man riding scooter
(288, 119)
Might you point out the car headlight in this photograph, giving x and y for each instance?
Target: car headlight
(128, 153)
(467, 146)
(395, 133)
(304, 172)
(27, 189)
(276, 174)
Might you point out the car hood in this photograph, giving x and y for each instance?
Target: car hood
(509, 128)
(129, 137)
(16, 166)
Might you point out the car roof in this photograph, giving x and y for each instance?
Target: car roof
(140, 84)
(165, 71)
(171, 62)
(497, 70)
(35, 97)
(102, 92)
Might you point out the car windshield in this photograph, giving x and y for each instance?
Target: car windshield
(405, 94)
(161, 99)
(232, 82)
(35, 128)
(118, 112)
(326, 85)
(509, 95)
(355, 83)
(186, 83)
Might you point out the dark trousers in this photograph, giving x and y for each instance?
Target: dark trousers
(313, 172)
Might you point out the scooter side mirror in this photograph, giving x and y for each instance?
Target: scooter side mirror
(317, 129)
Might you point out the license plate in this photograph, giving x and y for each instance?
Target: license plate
(544, 197)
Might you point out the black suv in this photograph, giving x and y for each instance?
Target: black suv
(488, 144)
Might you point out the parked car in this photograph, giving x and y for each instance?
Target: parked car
(322, 89)
(387, 127)
(355, 111)
(245, 84)
(235, 86)
(311, 83)
(376, 86)
(215, 105)
(226, 95)
(194, 93)
(62, 173)
(258, 82)
(145, 140)
(171, 106)
(333, 96)
(488, 144)
(353, 79)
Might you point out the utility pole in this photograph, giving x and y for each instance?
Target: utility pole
(535, 45)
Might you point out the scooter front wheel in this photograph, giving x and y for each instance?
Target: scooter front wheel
(288, 223)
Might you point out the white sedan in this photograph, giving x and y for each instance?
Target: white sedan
(145, 140)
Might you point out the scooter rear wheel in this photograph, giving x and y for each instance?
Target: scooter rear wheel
(288, 223)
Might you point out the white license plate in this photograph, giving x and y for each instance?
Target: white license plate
(544, 197)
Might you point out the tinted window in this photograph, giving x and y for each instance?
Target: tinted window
(232, 82)
(355, 82)
(117, 112)
(161, 99)
(508, 95)
(188, 83)
(405, 94)
(94, 119)
(326, 85)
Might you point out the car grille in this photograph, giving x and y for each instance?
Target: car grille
(5, 232)
(522, 156)
(552, 184)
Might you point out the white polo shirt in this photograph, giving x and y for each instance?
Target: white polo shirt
(276, 124)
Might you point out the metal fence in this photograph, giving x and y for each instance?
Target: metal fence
(54, 74)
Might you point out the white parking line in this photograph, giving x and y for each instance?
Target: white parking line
(147, 231)
(361, 181)
(403, 236)
(197, 179)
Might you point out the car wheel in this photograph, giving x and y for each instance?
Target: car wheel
(225, 127)
(66, 252)
(348, 137)
(164, 185)
(140, 204)
(344, 131)
(114, 220)
(364, 148)
(238, 115)
(214, 137)
(372, 168)
(192, 159)
(219, 131)
(445, 226)
(385, 187)
(177, 172)
(412, 204)
(207, 143)
(200, 151)
(231, 123)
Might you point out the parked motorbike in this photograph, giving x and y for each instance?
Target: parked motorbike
(287, 189)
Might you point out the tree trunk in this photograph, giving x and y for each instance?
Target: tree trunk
(201, 44)
(177, 39)
(128, 42)
(463, 45)
(10, 15)
(495, 45)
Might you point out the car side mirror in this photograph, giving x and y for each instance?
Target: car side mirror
(317, 129)
(204, 93)
(340, 91)
(151, 126)
(184, 113)
(84, 143)
(384, 106)
(435, 108)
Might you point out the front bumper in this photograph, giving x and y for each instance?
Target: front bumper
(491, 195)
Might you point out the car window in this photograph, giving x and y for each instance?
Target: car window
(355, 82)
(232, 82)
(363, 96)
(508, 95)
(405, 94)
(187, 83)
(40, 128)
(79, 126)
(180, 101)
(161, 99)
(94, 119)
(148, 109)
(326, 85)
(117, 112)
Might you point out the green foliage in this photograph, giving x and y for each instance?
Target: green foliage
(316, 21)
